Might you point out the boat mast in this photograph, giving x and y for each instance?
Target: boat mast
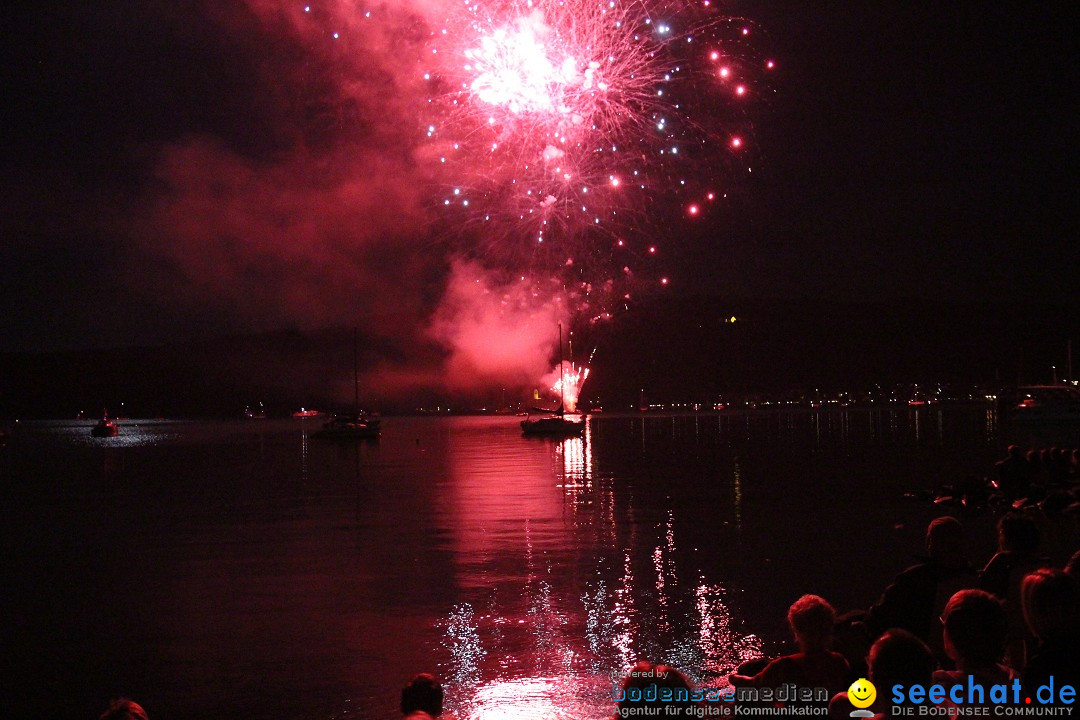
(1068, 356)
(355, 373)
(562, 377)
(570, 348)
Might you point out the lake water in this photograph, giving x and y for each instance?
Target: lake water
(246, 570)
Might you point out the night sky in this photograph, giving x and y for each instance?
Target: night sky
(924, 149)
(185, 170)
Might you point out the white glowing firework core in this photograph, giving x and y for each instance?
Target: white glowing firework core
(568, 384)
(564, 117)
(519, 69)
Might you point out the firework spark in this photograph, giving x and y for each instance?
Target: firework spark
(564, 134)
(559, 121)
(568, 386)
(563, 125)
(566, 380)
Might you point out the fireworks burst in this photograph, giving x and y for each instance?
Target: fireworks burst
(561, 124)
(568, 386)
(560, 121)
(567, 378)
(564, 132)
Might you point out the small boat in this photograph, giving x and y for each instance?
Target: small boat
(258, 413)
(349, 427)
(1040, 415)
(556, 424)
(358, 425)
(306, 413)
(1041, 404)
(105, 428)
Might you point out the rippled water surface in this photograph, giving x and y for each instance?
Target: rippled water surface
(246, 570)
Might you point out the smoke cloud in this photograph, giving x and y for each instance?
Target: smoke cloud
(493, 333)
(316, 211)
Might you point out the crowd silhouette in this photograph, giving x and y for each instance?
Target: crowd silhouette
(943, 620)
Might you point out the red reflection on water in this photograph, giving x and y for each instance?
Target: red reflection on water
(565, 697)
(557, 600)
(501, 496)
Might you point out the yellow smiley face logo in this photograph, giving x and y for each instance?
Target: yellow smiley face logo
(862, 693)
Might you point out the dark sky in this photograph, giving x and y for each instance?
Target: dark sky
(923, 149)
(902, 149)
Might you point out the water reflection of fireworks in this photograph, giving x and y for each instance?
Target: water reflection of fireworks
(579, 644)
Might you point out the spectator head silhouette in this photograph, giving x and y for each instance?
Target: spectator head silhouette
(945, 538)
(975, 628)
(124, 709)
(900, 658)
(1051, 603)
(811, 619)
(422, 693)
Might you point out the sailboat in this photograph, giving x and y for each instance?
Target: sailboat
(357, 426)
(106, 427)
(556, 424)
